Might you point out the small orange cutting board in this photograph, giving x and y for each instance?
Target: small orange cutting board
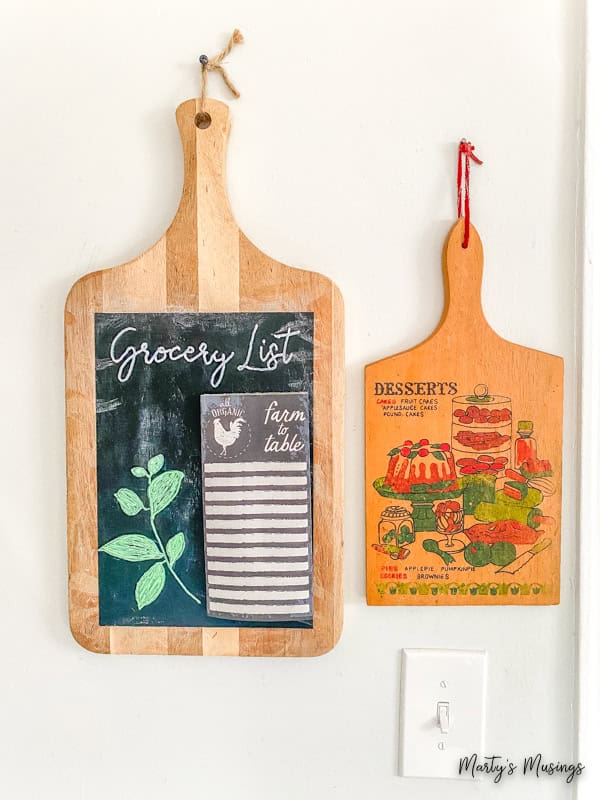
(203, 263)
(463, 460)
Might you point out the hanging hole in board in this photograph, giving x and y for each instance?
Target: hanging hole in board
(203, 120)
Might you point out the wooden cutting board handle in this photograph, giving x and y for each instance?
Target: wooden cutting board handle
(205, 153)
(204, 230)
(463, 275)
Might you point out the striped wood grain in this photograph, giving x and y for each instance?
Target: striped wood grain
(204, 263)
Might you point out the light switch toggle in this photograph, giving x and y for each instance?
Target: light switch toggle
(443, 717)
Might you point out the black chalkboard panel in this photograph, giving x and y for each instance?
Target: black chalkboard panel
(151, 370)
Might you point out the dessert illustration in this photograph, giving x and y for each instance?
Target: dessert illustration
(477, 479)
(482, 424)
(506, 506)
(421, 472)
(421, 467)
(477, 497)
(450, 519)
(394, 531)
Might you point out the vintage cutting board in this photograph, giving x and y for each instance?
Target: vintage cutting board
(203, 263)
(463, 460)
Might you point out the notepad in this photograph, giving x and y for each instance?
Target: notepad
(256, 492)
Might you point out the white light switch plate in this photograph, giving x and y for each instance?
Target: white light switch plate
(429, 677)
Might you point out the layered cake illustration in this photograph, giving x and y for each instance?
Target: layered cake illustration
(421, 467)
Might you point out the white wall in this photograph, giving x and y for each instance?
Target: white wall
(342, 158)
(589, 504)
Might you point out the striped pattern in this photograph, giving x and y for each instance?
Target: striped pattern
(258, 540)
(256, 466)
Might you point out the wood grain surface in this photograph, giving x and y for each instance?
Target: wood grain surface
(204, 263)
(416, 396)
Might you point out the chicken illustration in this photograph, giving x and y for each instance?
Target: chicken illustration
(226, 438)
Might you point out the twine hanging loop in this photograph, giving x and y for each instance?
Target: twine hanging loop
(466, 154)
(209, 64)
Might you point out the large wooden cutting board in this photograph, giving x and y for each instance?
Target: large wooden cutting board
(204, 263)
(451, 430)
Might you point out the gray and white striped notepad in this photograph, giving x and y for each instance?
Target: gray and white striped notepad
(256, 496)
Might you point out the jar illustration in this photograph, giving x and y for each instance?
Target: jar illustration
(525, 445)
(482, 428)
(395, 527)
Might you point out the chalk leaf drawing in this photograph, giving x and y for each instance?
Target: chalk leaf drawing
(130, 503)
(132, 547)
(155, 464)
(150, 585)
(175, 547)
(161, 489)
